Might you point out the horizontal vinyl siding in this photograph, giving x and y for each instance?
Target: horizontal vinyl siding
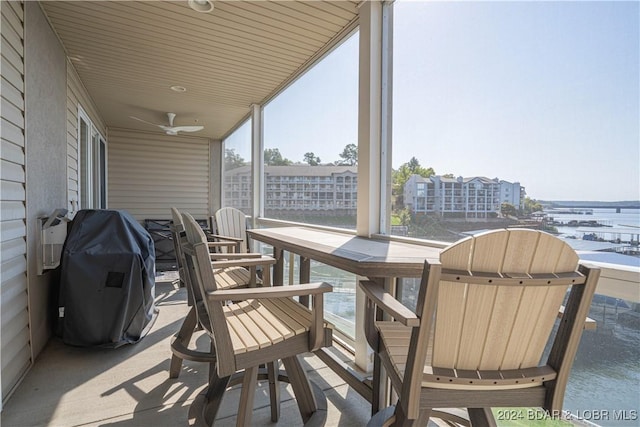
(14, 320)
(150, 172)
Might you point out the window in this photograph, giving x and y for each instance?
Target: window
(92, 148)
(237, 184)
(310, 136)
(310, 164)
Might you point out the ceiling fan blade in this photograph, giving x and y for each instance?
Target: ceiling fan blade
(186, 128)
(171, 130)
(144, 121)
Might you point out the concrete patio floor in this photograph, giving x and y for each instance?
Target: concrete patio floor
(130, 386)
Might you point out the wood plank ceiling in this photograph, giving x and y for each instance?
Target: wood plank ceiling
(130, 53)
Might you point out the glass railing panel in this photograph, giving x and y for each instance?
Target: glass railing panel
(340, 304)
(604, 384)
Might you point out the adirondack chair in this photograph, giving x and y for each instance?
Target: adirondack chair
(231, 223)
(229, 275)
(261, 326)
(216, 244)
(484, 315)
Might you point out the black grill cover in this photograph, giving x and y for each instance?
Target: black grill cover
(107, 280)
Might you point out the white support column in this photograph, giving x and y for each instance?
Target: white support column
(374, 139)
(216, 175)
(369, 118)
(386, 121)
(257, 164)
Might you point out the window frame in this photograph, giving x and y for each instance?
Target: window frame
(92, 164)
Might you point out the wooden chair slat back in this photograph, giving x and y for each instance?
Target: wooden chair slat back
(480, 326)
(176, 216)
(232, 222)
(176, 229)
(197, 239)
(198, 263)
(193, 291)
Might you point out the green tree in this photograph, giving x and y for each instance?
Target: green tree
(401, 176)
(507, 209)
(311, 159)
(272, 157)
(531, 206)
(232, 160)
(349, 155)
(405, 217)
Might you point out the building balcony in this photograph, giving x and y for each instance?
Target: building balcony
(88, 71)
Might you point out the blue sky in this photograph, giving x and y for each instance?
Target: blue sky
(544, 93)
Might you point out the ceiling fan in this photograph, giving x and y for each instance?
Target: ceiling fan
(171, 129)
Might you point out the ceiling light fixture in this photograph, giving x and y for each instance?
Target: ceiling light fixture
(178, 88)
(203, 6)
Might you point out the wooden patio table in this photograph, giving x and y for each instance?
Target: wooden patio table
(377, 259)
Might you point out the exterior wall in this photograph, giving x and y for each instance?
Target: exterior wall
(511, 193)
(15, 351)
(46, 153)
(39, 168)
(150, 172)
(419, 194)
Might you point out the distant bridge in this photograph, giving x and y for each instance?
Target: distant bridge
(594, 205)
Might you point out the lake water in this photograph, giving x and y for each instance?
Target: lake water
(628, 219)
(605, 380)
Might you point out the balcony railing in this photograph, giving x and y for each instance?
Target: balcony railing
(611, 367)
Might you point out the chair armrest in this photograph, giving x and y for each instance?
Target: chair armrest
(384, 300)
(233, 255)
(221, 244)
(227, 238)
(238, 294)
(244, 262)
(316, 290)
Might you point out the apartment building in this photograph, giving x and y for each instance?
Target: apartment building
(474, 197)
(330, 190)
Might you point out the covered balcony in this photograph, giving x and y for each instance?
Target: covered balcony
(141, 106)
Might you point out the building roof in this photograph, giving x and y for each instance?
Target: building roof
(306, 170)
(482, 179)
(298, 170)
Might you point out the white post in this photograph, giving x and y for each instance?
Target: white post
(216, 175)
(369, 118)
(257, 164)
(374, 139)
(386, 121)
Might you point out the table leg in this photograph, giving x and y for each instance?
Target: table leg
(278, 268)
(305, 277)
